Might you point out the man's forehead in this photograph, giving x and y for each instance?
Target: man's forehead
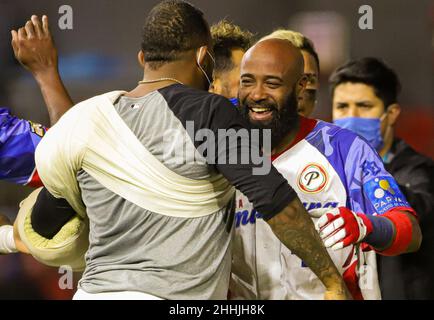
(262, 64)
(275, 56)
(353, 91)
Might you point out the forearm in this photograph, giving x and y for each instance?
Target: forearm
(416, 235)
(55, 95)
(295, 229)
(395, 233)
(34, 48)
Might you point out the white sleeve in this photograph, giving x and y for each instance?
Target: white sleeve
(60, 153)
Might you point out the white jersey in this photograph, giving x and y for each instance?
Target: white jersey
(328, 167)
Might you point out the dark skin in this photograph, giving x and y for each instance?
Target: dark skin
(291, 225)
(34, 48)
(185, 70)
(270, 71)
(269, 82)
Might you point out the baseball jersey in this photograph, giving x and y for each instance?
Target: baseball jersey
(170, 257)
(18, 141)
(328, 167)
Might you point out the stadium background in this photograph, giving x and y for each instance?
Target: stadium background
(99, 55)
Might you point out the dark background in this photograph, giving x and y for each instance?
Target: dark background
(99, 55)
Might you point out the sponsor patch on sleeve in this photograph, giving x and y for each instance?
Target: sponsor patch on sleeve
(37, 129)
(384, 194)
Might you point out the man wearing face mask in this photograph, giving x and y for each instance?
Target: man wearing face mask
(364, 96)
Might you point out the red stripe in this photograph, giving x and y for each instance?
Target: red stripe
(35, 181)
(352, 281)
(404, 233)
(349, 258)
(401, 209)
(306, 127)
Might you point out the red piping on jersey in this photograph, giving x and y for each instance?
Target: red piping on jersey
(35, 181)
(306, 127)
(349, 258)
(352, 281)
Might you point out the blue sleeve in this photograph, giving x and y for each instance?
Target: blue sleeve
(18, 141)
(371, 188)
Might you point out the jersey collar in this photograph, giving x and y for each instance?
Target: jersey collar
(306, 127)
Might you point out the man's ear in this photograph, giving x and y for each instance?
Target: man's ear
(141, 58)
(393, 112)
(201, 54)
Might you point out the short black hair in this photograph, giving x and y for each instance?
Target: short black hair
(372, 72)
(171, 28)
(226, 37)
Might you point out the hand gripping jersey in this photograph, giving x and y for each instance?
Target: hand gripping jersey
(328, 167)
(18, 141)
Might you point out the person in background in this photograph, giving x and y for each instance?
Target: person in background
(18, 137)
(230, 44)
(365, 100)
(34, 37)
(308, 100)
(18, 141)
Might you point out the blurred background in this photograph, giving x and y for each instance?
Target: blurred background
(99, 55)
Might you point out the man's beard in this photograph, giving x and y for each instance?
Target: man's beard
(283, 121)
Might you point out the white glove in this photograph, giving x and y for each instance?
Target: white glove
(7, 242)
(341, 227)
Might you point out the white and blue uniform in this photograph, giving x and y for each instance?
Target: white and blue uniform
(18, 141)
(328, 167)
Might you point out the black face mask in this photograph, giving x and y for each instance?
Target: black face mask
(283, 121)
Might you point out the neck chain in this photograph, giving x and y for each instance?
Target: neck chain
(160, 80)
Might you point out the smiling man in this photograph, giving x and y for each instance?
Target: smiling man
(339, 178)
(308, 99)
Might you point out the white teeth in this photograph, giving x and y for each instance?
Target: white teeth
(260, 109)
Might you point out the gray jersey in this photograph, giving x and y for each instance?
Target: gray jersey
(133, 249)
